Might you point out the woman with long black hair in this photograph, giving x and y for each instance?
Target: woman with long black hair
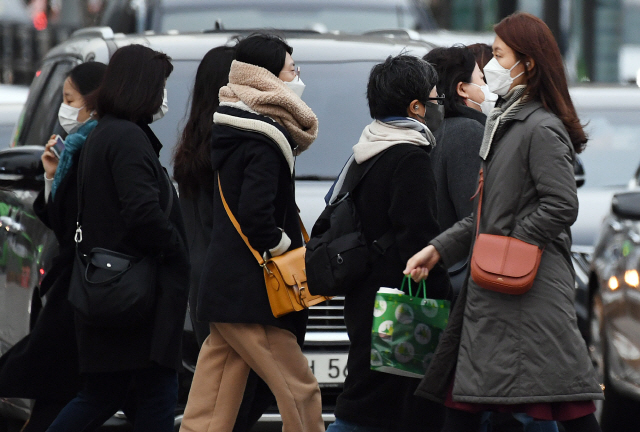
(504, 352)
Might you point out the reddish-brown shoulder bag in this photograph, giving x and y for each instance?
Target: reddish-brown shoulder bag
(501, 263)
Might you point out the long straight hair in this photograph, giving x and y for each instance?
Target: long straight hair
(529, 36)
(192, 156)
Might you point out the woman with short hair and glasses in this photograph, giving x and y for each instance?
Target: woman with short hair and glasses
(396, 205)
(518, 353)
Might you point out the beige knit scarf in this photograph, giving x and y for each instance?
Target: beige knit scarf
(266, 94)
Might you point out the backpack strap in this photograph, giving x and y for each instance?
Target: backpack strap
(351, 182)
(236, 225)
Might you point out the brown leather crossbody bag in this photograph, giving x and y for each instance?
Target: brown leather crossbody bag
(285, 276)
(502, 263)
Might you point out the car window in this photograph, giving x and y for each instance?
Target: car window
(612, 155)
(293, 16)
(341, 119)
(41, 110)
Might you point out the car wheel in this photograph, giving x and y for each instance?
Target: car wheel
(617, 413)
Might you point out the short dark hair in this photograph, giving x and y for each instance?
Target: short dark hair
(86, 77)
(132, 88)
(266, 50)
(454, 65)
(396, 82)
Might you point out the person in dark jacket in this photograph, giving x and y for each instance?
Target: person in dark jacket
(397, 196)
(196, 182)
(125, 197)
(518, 353)
(44, 364)
(456, 159)
(259, 128)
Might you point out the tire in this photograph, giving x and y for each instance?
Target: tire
(618, 412)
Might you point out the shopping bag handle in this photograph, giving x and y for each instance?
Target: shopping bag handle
(421, 284)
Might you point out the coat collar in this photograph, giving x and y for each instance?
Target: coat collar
(527, 109)
(467, 112)
(155, 142)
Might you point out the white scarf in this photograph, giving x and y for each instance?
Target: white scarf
(379, 136)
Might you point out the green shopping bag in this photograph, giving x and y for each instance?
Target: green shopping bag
(406, 330)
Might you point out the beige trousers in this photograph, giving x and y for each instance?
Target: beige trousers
(225, 360)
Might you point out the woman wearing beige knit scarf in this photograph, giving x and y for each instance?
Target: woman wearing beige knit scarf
(259, 128)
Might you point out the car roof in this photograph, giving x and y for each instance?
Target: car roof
(308, 46)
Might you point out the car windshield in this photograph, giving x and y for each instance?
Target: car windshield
(341, 119)
(292, 16)
(612, 155)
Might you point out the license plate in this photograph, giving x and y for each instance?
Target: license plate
(328, 368)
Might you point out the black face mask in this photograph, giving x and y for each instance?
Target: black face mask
(433, 116)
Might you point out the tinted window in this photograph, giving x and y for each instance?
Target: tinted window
(613, 151)
(335, 92)
(293, 16)
(41, 111)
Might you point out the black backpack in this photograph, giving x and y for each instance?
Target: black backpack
(338, 255)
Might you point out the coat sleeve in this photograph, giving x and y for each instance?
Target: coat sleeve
(551, 168)
(257, 201)
(454, 244)
(138, 187)
(412, 210)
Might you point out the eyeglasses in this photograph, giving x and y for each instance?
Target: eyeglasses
(439, 99)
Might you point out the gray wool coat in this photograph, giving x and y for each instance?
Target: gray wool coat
(513, 349)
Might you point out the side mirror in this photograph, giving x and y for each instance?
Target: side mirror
(21, 168)
(578, 171)
(626, 205)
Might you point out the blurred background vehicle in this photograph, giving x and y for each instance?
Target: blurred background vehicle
(12, 98)
(614, 337)
(335, 69)
(354, 16)
(610, 162)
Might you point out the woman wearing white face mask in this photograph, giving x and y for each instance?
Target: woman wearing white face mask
(505, 352)
(455, 159)
(258, 129)
(44, 365)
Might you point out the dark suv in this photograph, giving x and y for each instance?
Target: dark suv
(335, 69)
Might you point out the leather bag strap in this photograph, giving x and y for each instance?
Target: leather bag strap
(479, 191)
(236, 225)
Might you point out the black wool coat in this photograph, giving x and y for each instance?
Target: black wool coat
(397, 193)
(456, 163)
(125, 193)
(44, 364)
(258, 185)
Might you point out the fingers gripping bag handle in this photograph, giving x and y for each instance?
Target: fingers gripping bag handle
(421, 285)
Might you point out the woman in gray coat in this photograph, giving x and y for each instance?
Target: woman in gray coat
(518, 353)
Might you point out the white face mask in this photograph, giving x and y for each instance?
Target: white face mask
(68, 118)
(296, 86)
(164, 108)
(499, 78)
(489, 99)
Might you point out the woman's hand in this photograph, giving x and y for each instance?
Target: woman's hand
(419, 265)
(49, 160)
